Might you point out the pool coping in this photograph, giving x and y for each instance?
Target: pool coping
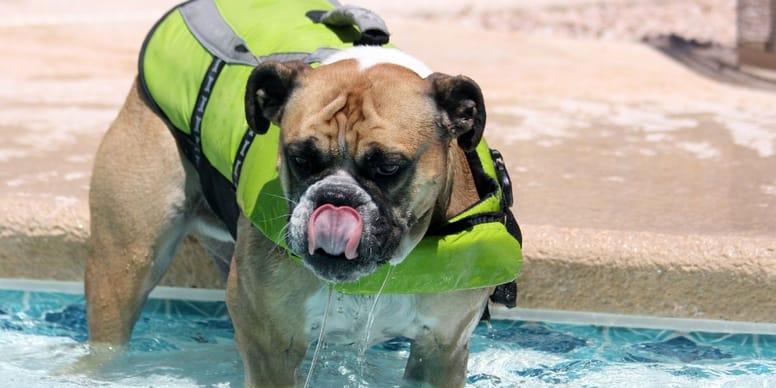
(497, 312)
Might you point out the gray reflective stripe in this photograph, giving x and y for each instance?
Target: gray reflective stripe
(320, 54)
(316, 56)
(348, 15)
(207, 25)
(283, 57)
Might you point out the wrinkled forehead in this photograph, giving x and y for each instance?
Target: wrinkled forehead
(348, 107)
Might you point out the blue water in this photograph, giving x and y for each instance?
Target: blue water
(179, 343)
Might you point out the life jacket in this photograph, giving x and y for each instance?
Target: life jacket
(194, 67)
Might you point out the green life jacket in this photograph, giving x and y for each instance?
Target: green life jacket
(193, 70)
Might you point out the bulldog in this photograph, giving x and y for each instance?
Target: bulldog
(374, 151)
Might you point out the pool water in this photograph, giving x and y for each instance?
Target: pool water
(190, 343)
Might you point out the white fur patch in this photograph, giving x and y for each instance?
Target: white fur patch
(348, 317)
(368, 56)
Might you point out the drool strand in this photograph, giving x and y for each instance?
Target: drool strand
(321, 336)
(370, 323)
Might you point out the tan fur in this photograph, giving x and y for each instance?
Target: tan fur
(145, 198)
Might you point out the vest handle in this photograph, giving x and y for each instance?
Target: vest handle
(372, 27)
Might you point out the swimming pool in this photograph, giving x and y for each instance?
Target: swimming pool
(190, 343)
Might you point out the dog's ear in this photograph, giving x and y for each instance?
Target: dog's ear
(267, 90)
(461, 107)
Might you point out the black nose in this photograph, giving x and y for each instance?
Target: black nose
(337, 196)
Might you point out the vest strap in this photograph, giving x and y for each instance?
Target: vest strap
(242, 152)
(487, 186)
(467, 223)
(507, 197)
(212, 31)
(203, 97)
(506, 293)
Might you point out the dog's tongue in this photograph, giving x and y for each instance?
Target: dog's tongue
(336, 230)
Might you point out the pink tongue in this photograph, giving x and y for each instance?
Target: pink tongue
(336, 230)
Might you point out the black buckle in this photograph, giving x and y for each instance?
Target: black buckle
(505, 294)
(503, 178)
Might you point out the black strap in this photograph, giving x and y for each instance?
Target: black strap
(487, 186)
(242, 151)
(466, 223)
(506, 293)
(216, 188)
(507, 196)
(203, 97)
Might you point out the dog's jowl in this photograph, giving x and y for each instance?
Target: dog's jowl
(305, 156)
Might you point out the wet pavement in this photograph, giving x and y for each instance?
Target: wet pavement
(630, 170)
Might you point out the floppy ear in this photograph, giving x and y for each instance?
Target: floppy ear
(267, 90)
(461, 106)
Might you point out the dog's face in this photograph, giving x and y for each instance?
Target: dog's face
(363, 156)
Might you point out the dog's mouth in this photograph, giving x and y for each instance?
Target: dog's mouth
(334, 231)
(337, 240)
(341, 233)
(345, 243)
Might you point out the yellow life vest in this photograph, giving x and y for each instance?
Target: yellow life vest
(193, 69)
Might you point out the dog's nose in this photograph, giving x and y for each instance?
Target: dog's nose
(336, 230)
(340, 196)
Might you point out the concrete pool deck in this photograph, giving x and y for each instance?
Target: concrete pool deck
(642, 188)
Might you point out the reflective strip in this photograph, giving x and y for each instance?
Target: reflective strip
(217, 37)
(316, 56)
(320, 54)
(207, 25)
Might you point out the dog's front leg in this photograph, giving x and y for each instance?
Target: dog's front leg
(438, 356)
(266, 294)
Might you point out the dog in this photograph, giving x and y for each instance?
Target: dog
(374, 153)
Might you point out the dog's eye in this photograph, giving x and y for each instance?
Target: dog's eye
(304, 165)
(387, 169)
(304, 159)
(300, 161)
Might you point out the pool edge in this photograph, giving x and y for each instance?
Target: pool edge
(634, 321)
(497, 312)
(77, 288)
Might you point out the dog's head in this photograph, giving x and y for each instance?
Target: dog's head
(363, 156)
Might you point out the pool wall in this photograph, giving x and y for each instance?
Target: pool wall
(641, 187)
(564, 269)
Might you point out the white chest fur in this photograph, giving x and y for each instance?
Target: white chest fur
(348, 317)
